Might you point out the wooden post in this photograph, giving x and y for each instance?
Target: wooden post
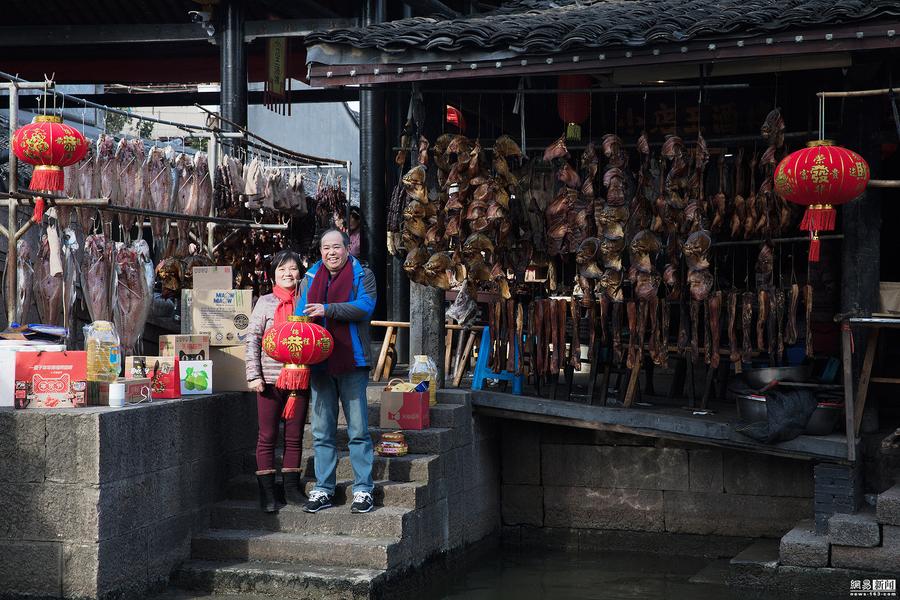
(861, 246)
(849, 412)
(10, 291)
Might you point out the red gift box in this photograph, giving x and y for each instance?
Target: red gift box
(51, 379)
(162, 372)
(404, 410)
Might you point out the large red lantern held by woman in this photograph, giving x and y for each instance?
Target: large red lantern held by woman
(297, 343)
(819, 177)
(574, 107)
(49, 145)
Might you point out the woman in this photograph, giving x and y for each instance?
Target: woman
(262, 371)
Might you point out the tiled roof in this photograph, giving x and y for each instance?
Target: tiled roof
(548, 26)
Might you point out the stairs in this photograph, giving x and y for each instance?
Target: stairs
(333, 554)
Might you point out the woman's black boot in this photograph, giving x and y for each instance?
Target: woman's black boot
(267, 492)
(293, 488)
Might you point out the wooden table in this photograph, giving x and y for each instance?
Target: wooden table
(853, 407)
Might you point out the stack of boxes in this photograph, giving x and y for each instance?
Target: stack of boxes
(215, 310)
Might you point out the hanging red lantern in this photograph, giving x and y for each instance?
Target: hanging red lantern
(574, 107)
(455, 117)
(49, 145)
(819, 177)
(297, 343)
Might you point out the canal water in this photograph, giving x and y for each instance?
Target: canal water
(557, 575)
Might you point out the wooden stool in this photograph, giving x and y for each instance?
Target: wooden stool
(387, 357)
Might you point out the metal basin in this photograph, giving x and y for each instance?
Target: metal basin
(760, 378)
(752, 408)
(824, 418)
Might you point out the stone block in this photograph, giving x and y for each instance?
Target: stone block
(762, 475)
(463, 436)
(859, 529)
(173, 491)
(73, 448)
(127, 504)
(522, 505)
(642, 468)
(663, 544)
(123, 563)
(456, 520)
(604, 508)
(520, 451)
(166, 436)
(551, 538)
(22, 446)
(801, 547)
(570, 465)
(80, 564)
(30, 568)
(48, 512)
(707, 513)
(124, 443)
(169, 544)
(881, 559)
(888, 506)
(484, 427)
(485, 462)
(706, 473)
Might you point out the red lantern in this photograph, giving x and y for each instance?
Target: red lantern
(297, 343)
(574, 107)
(49, 145)
(820, 176)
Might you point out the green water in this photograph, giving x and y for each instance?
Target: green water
(557, 575)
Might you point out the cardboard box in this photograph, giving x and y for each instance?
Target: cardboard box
(51, 379)
(196, 377)
(185, 347)
(229, 368)
(162, 372)
(889, 292)
(136, 390)
(404, 410)
(186, 321)
(223, 315)
(212, 278)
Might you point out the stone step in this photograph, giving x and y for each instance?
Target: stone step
(859, 529)
(386, 493)
(754, 564)
(278, 580)
(246, 515)
(435, 440)
(448, 396)
(412, 467)
(292, 548)
(801, 547)
(442, 415)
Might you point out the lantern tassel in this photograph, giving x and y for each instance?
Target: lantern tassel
(814, 248)
(829, 218)
(38, 214)
(47, 178)
(290, 407)
(293, 377)
(819, 217)
(573, 132)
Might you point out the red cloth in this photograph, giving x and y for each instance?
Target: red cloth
(328, 289)
(287, 301)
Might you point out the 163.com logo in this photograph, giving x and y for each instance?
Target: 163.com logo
(884, 588)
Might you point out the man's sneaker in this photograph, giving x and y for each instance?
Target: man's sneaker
(362, 502)
(317, 501)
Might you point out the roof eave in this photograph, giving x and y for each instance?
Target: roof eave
(329, 64)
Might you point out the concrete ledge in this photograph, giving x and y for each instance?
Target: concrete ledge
(888, 509)
(860, 529)
(801, 547)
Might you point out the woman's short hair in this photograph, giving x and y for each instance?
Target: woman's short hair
(344, 236)
(284, 256)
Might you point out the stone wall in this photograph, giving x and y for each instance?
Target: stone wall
(101, 502)
(573, 483)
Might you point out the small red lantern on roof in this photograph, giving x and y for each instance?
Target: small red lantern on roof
(819, 177)
(298, 343)
(49, 145)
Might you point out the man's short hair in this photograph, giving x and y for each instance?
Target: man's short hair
(344, 236)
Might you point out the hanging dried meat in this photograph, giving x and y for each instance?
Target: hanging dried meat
(24, 279)
(131, 297)
(48, 282)
(97, 276)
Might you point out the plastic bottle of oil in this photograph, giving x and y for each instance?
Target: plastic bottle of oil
(101, 341)
(424, 369)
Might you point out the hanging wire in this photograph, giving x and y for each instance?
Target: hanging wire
(616, 115)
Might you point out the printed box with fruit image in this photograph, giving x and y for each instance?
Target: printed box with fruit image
(196, 377)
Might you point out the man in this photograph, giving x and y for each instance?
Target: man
(339, 293)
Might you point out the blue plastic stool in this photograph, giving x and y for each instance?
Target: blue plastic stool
(482, 372)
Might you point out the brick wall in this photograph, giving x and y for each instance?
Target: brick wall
(100, 502)
(572, 483)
